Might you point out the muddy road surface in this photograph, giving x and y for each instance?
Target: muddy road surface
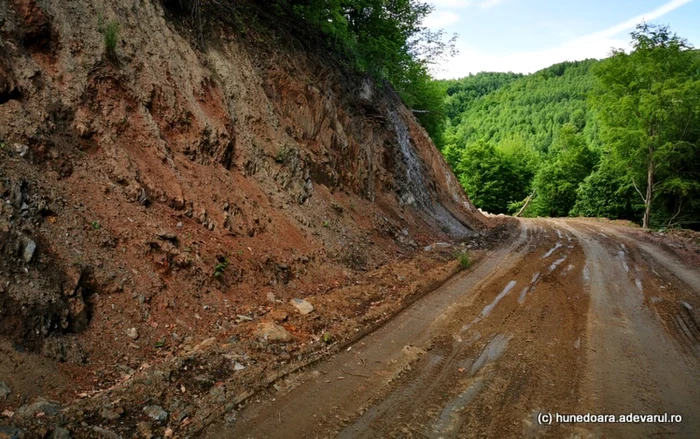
(572, 318)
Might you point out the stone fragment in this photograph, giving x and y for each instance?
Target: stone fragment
(271, 332)
(156, 412)
(40, 406)
(4, 391)
(302, 306)
(29, 249)
(132, 333)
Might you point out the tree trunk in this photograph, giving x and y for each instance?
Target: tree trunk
(650, 188)
(527, 201)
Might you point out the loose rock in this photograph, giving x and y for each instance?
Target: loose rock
(41, 406)
(271, 332)
(132, 333)
(29, 249)
(109, 414)
(21, 149)
(9, 432)
(4, 391)
(167, 236)
(302, 305)
(155, 412)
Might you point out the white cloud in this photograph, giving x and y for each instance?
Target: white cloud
(451, 4)
(595, 45)
(487, 4)
(463, 4)
(649, 16)
(440, 19)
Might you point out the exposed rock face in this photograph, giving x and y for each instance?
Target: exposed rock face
(160, 190)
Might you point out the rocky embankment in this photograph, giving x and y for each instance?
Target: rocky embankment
(172, 210)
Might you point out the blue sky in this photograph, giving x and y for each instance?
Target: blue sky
(527, 35)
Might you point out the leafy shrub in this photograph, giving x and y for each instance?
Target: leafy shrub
(220, 267)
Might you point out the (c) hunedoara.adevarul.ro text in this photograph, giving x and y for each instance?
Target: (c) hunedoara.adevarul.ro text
(545, 418)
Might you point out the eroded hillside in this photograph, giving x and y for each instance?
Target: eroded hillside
(175, 193)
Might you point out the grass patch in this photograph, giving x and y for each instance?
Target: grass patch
(110, 34)
(464, 260)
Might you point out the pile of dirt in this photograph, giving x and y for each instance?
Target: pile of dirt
(164, 208)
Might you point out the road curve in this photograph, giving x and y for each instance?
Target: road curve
(573, 317)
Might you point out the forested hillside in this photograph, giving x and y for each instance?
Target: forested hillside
(616, 138)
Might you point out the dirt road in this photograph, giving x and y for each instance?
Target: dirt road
(574, 317)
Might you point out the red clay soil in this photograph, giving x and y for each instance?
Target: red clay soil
(162, 206)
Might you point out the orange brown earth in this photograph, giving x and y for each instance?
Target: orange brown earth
(164, 211)
(572, 317)
(242, 239)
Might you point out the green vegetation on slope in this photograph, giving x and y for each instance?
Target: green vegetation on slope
(615, 138)
(385, 38)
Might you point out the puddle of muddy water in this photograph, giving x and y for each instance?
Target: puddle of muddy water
(556, 263)
(552, 250)
(449, 421)
(492, 351)
(527, 289)
(623, 261)
(523, 293)
(488, 308)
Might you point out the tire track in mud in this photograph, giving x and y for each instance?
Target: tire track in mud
(570, 318)
(467, 360)
(637, 361)
(314, 402)
(670, 289)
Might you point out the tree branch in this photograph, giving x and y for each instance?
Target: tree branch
(670, 222)
(638, 191)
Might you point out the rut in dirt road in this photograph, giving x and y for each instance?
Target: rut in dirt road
(572, 317)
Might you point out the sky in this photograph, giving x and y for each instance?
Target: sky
(524, 36)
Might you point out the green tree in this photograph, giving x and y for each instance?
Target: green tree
(607, 192)
(490, 178)
(648, 102)
(570, 161)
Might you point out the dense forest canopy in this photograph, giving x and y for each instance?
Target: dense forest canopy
(616, 138)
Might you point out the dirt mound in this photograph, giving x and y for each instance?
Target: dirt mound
(174, 192)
